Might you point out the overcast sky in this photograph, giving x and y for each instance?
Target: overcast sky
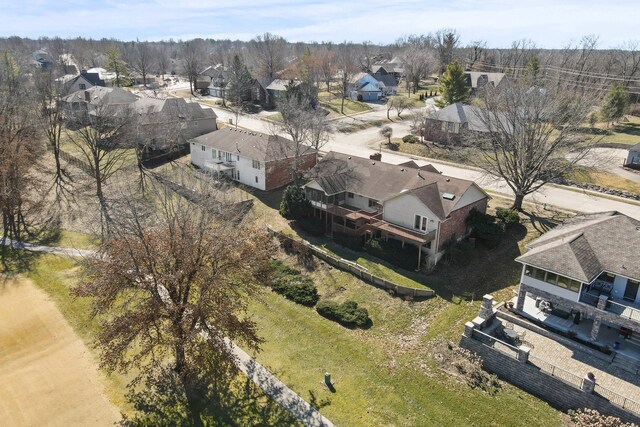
(549, 23)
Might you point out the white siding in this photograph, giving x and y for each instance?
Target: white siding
(472, 195)
(243, 165)
(552, 289)
(401, 210)
(358, 201)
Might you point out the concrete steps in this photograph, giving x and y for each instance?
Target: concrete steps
(626, 363)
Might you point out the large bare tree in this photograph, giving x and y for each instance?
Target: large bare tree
(268, 52)
(534, 134)
(193, 54)
(171, 287)
(346, 67)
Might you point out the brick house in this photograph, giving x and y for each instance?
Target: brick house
(451, 124)
(414, 205)
(255, 159)
(583, 277)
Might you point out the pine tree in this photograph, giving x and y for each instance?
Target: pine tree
(615, 103)
(116, 65)
(533, 70)
(453, 86)
(239, 85)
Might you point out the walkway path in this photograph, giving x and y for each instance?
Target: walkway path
(272, 386)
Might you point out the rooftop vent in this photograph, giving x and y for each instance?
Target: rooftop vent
(447, 180)
(448, 196)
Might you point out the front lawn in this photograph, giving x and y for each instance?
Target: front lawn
(332, 104)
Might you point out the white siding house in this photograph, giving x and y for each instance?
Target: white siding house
(238, 167)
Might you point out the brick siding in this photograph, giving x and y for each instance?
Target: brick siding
(278, 172)
(455, 226)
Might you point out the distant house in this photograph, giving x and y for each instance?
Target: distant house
(448, 125)
(251, 158)
(267, 91)
(41, 59)
(414, 205)
(395, 67)
(633, 158)
(83, 104)
(218, 78)
(477, 80)
(387, 82)
(364, 87)
(168, 123)
(84, 80)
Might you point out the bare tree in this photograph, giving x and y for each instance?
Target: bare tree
(268, 51)
(386, 132)
(171, 288)
(305, 125)
(400, 103)
(326, 65)
(50, 92)
(445, 40)
(143, 59)
(193, 55)
(20, 152)
(531, 132)
(418, 60)
(162, 60)
(100, 138)
(346, 67)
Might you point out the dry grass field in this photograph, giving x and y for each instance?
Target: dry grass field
(47, 375)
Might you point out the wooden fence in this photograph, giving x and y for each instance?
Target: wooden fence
(355, 269)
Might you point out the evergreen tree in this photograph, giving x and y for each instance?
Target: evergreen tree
(453, 86)
(239, 85)
(533, 70)
(294, 204)
(615, 103)
(115, 64)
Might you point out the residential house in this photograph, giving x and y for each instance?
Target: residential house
(168, 124)
(363, 87)
(387, 82)
(41, 59)
(258, 160)
(633, 157)
(395, 67)
(587, 268)
(478, 79)
(84, 80)
(414, 205)
(449, 125)
(267, 91)
(218, 77)
(97, 100)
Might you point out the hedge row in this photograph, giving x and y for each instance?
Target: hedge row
(348, 313)
(293, 285)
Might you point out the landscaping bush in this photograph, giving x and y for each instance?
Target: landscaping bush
(294, 204)
(393, 146)
(392, 251)
(348, 313)
(297, 288)
(508, 216)
(410, 139)
(311, 225)
(282, 269)
(484, 228)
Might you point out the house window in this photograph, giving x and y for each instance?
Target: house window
(238, 175)
(420, 223)
(350, 195)
(372, 202)
(203, 148)
(214, 154)
(195, 124)
(256, 179)
(256, 164)
(82, 86)
(552, 278)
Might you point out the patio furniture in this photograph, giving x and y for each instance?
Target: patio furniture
(511, 336)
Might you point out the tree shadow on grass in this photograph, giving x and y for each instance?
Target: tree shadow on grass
(15, 261)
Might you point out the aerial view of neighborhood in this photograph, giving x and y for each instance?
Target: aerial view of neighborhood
(320, 213)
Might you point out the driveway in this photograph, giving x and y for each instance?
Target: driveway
(610, 160)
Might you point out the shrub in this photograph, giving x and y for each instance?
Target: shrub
(410, 139)
(508, 216)
(294, 204)
(282, 269)
(348, 313)
(297, 288)
(484, 228)
(393, 146)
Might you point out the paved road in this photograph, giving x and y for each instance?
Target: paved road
(365, 142)
(269, 383)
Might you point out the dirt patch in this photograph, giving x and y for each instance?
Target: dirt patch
(48, 376)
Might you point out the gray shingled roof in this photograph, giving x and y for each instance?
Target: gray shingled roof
(255, 145)
(635, 147)
(99, 95)
(281, 84)
(155, 110)
(337, 173)
(584, 246)
(461, 113)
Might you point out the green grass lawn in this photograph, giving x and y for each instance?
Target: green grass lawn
(627, 133)
(332, 103)
(64, 239)
(56, 275)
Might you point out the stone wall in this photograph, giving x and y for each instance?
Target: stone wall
(556, 392)
(455, 226)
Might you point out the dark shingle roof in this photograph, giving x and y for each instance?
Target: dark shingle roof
(99, 95)
(461, 113)
(255, 145)
(388, 79)
(584, 246)
(337, 173)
